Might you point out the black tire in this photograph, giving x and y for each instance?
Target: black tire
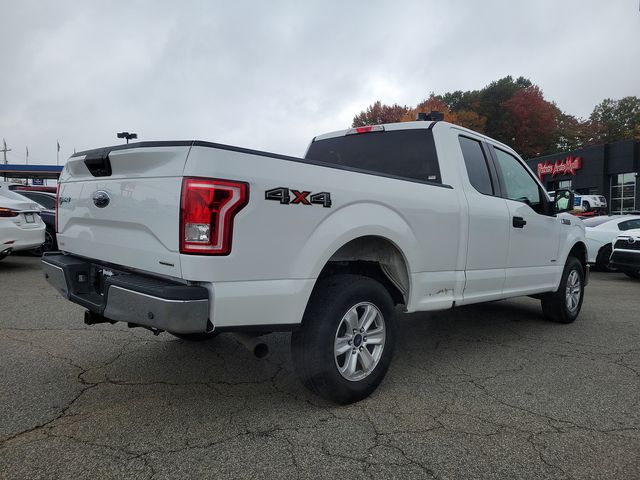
(554, 305)
(586, 206)
(635, 274)
(195, 337)
(312, 347)
(49, 244)
(603, 260)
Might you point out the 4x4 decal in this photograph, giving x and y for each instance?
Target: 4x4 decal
(298, 197)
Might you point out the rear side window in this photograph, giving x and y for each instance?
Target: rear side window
(409, 154)
(629, 225)
(476, 163)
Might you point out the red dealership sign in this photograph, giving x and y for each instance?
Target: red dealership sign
(568, 165)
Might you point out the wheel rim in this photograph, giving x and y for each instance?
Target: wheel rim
(359, 341)
(573, 291)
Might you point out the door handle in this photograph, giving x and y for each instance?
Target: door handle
(519, 222)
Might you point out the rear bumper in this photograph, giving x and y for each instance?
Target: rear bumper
(119, 296)
(23, 238)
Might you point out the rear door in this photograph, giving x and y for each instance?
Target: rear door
(122, 206)
(488, 225)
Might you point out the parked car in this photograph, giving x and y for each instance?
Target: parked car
(45, 199)
(48, 202)
(21, 227)
(626, 253)
(589, 203)
(213, 238)
(601, 232)
(35, 188)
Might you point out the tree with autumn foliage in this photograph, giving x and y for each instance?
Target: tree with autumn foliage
(379, 113)
(515, 112)
(431, 104)
(534, 121)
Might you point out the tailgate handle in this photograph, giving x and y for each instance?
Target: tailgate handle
(98, 164)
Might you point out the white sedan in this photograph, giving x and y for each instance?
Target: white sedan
(601, 233)
(21, 227)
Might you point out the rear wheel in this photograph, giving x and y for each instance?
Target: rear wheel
(48, 245)
(586, 206)
(345, 345)
(603, 259)
(564, 305)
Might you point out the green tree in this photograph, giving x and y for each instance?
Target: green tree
(615, 120)
(500, 124)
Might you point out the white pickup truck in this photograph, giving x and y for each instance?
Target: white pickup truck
(196, 238)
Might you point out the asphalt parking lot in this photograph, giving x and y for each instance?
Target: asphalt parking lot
(491, 391)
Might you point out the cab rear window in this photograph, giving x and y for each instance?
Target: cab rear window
(409, 154)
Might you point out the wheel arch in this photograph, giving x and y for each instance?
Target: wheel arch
(376, 257)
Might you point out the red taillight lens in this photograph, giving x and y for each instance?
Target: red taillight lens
(207, 209)
(365, 129)
(7, 212)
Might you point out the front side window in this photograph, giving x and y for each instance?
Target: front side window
(519, 185)
(476, 163)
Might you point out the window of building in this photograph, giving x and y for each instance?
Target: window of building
(564, 185)
(623, 193)
(476, 163)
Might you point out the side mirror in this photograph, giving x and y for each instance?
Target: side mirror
(563, 201)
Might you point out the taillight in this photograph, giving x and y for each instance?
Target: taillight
(207, 209)
(7, 212)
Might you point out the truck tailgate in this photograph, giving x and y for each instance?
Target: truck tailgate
(122, 206)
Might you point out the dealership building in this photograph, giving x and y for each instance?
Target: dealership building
(611, 170)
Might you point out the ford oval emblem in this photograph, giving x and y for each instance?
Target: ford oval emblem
(101, 199)
(631, 240)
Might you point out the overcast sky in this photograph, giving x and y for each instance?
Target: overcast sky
(271, 75)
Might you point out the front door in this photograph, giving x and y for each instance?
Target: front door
(534, 236)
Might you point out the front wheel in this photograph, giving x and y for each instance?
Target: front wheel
(345, 345)
(564, 305)
(586, 206)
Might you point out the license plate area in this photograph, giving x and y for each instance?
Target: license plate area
(29, 218)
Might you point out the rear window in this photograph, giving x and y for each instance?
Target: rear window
(409, 154)
(595, 221)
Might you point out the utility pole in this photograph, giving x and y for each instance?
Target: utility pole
(58, 152)
(5, 150)
(27, 157)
